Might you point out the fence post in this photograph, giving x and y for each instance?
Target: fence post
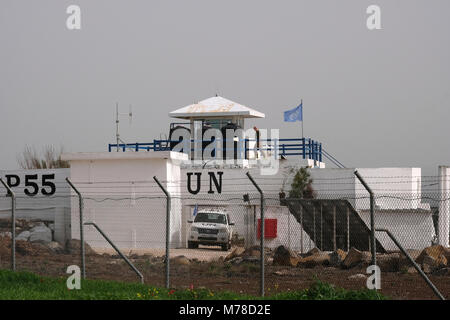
(301, 229)
(261, 232)
(372, 218)
(415, 265)
(167, 231)
(13, 225)
(81, 205)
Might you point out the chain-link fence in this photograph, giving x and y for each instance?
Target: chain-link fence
(214, 239)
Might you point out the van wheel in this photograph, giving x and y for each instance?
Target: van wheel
(192, 245)
(226, 247)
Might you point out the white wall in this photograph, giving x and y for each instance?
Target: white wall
(397, 189)
(52, 208)
(444, 206)
(121, 196)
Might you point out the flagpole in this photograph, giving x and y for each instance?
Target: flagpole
(302, 117)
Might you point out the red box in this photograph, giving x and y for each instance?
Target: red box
(270, 228)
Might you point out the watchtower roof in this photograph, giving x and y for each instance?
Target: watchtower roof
(215, 107)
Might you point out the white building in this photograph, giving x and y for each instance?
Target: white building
(139, 221)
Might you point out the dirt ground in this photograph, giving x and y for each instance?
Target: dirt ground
(218, 276)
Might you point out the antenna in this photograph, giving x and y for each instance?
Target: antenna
(130, 115)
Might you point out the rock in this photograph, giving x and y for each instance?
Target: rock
(73, 247)
(403, 261)
(337, 257)
(285, 257)
(411, 270)
(318, 259)
(388, 262)
(250, 259)
(357, 276)
(55, 247)
(434, 251)
(25, 235)
(281, 272)
(430, 264)
(27, 248)
(442, 261)
(313, 251)
(40, 234)
(180, 260)
(51, 226)
(236, 261)
(252, 252)
(6, 234)
(442, 272)
(236, 252)
(240, 260)
(353, 258)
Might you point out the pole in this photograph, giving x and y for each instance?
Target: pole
(372, 245)
(301, 229)
(117, 250)
(415, 265)
(117, 126)
(13, 225)
(81, 205)
(261, 229)
(167, 231)
(301, 103)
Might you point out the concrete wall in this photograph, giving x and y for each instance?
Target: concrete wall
(121, 196)
(396, 189)
(444, 206)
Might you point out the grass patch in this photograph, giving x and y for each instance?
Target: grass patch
(29, 286)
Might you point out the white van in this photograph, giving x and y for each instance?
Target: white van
(211, 227)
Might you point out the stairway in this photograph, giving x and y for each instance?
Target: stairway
(332, 224)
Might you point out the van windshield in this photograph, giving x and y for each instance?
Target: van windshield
(210, 217)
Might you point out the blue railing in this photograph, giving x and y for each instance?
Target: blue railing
(307, 148)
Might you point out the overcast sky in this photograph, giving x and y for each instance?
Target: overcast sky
(373, 98)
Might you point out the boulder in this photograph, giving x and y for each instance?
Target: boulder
(285, 257)
(312, 252)
(180, 261)
(354, 257)
(55, 247)
(252, 252)
(357, 276)
(73, 247)
(41, 234)
(318, 259)
(284, 272)
(25, 235)
(442, 272)
(27, 248)
(337, 257)
(6, 234)
(434, 252)
(241, 260)
(403, 261)
(236, 252)
(411, 270)
(430, 264)
(388, 262)
(236, 261)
